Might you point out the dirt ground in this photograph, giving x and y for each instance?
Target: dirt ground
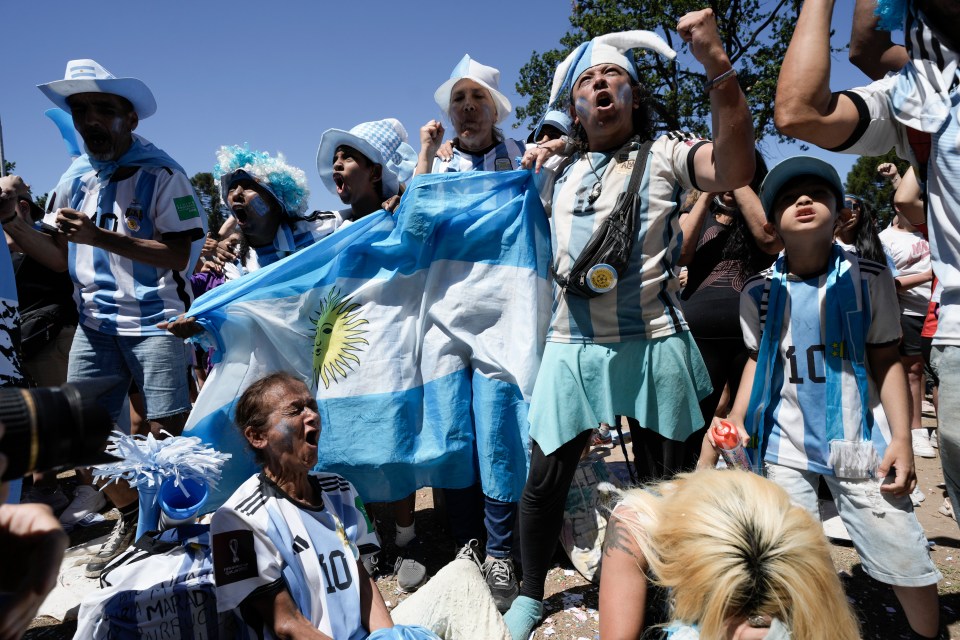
(571, 602)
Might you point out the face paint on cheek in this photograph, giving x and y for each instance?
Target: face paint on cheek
(625, 94)
(285, 432)
(259, 205)
(582, 107)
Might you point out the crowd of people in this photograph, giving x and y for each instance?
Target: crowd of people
(690, 285)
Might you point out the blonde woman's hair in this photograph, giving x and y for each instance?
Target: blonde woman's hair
(729, 544)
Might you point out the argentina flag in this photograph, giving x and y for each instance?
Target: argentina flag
(421, 334)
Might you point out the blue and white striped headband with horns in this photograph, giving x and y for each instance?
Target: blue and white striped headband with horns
(611, 48)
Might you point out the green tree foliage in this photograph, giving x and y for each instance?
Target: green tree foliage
(755, 34)
(8, 167)
(208, 190)
(864, 181)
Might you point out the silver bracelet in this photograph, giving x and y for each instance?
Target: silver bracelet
(710, 85)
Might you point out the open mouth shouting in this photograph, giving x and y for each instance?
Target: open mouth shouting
(604, 101)
(338, 182)
(312, 436)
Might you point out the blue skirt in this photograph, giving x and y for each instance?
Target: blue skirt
(660, 382)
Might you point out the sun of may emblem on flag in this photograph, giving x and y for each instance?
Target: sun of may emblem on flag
(337, 339)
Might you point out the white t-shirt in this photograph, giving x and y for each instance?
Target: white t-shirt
(264, 542)
(644, 303)
(117, 295)
(796, 418)
(911, 255)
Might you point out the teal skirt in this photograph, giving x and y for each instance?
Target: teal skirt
(660, 382)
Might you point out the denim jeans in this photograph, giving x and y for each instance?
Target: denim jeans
(157, 364)
(463, 511)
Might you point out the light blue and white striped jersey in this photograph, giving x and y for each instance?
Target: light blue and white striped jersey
(264, 542)
(10, 367)
(796, 419)
(117, 295)
(644, 303)
(502, 157)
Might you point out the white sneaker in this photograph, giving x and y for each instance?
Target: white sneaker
(946, 508)
(934, 440)
(86, 500)
(921, 444)
(917, 496)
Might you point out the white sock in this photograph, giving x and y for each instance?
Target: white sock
(405, 535)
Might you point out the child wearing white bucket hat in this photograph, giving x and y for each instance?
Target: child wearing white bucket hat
(472, 100)
(366, 165)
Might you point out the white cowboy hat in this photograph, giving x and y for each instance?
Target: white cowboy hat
(487, 77)
(88, 76)
(383, 142)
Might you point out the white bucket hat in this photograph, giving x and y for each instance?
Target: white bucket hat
(383, 142)
(88, 76)
(487, 77)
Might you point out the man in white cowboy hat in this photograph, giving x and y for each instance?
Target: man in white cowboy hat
(471, 98)
(126, 223)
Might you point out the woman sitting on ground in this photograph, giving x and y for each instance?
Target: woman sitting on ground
(286, 545)
(739, 560)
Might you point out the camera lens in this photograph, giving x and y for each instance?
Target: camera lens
(52, 428)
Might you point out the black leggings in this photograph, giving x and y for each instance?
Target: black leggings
(545, 494)
(541, 510)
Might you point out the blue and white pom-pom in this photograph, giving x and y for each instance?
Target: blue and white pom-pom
(147, 462)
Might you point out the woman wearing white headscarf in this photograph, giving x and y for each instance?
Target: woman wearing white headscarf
(621, 348)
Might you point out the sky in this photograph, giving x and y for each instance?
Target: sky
(276, 74)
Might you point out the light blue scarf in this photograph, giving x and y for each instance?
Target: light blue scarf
(847, 323)
(141, 153)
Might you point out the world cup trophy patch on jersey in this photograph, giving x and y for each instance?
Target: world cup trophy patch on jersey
(234, 557)
(133, 216)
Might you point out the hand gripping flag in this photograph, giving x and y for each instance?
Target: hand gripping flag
(421, 334)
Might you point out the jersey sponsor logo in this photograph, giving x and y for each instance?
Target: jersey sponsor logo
(186, 208)
(624, 167)
(502, 164)
(234, 557)
(300, 545)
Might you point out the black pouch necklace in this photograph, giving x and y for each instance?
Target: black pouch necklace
(604, 259)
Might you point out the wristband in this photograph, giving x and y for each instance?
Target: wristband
(710, 85)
